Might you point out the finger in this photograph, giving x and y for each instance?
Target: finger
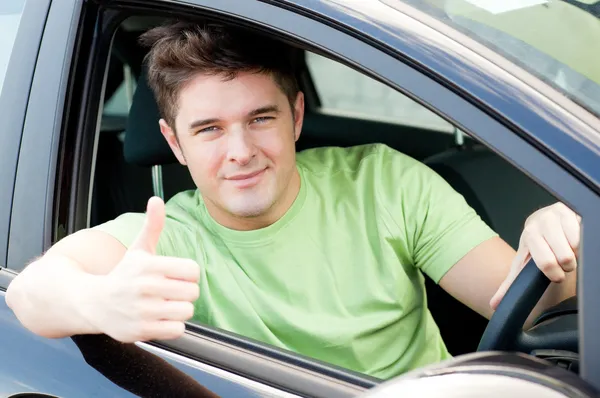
(544, 258)
(572, 229)
(175, 268)
(162, 330)
(504, 286)
(148, 237)
(171, 310)
(171, 289)
(501, 292)
(521, 257)
(561, 248)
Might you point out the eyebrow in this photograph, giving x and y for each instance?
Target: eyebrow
(198, 123)
(264, 109)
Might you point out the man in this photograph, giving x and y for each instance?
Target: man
(320, 253)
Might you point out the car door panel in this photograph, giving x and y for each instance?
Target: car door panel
(95, 365)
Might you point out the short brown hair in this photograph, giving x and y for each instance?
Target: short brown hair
(181, 50)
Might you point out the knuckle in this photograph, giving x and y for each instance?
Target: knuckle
(178, 330)
(191, 263)
(136, 256)
(138, 262)
(528, 233)
(566, 259)
(145, 311)
(194, 292)
(562, 208)
(138, 288)
(550, 221)
(174, 330)
(145, 286)
(546, 265)
(145, 330)
(188, 310)
(193, 267)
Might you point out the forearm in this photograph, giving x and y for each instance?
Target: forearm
(50, 295)
(556, 293)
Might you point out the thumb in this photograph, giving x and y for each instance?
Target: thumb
(147, 239)
(519, 262)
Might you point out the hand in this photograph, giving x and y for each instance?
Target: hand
(146, 296)
(551, 237)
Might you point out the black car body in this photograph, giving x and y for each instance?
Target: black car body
(69, 56)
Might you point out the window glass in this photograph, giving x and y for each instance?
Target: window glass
(118, 104)
(556, 40)
(342, 90)
(116, 107)
(10, 16)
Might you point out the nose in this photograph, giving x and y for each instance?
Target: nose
(240, 147)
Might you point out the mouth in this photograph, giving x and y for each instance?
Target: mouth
(246, 180)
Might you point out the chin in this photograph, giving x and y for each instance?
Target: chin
(249, 207)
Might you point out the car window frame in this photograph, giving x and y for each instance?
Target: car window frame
(334, 38)
(13, 104)
(536, 161)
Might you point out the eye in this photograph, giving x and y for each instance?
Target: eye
(208, 129)
(263, 119)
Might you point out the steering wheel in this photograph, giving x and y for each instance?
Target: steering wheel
(505, 329)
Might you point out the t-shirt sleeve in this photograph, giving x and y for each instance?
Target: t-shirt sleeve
(126, 227)
(437, 224)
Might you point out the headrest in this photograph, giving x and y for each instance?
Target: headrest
(144, 144)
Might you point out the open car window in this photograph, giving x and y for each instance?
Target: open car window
(355, 110)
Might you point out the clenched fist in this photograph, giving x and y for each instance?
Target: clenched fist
(146, 296)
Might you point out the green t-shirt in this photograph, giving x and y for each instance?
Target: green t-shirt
(338, 277)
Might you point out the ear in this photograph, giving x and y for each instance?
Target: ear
(172, 140)
(298, 115)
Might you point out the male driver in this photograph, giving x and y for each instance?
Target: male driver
(319, 253)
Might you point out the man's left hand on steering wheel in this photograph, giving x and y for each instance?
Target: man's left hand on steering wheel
(551, 237)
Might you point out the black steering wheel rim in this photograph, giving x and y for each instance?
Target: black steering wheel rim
(505, 328)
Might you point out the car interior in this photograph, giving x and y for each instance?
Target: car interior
(133, 162)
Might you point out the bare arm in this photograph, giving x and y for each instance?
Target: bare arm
(476, 278)
(89, 283)
(51, 295)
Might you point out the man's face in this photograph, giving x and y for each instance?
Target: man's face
(237, 138)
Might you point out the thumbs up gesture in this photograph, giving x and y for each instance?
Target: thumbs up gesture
(147, 297)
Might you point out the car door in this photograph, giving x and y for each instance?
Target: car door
(52, 182)
(97, 365)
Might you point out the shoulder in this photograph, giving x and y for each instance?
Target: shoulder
(182, 208)
(376, 157)
(180, 223)
(369, 168)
